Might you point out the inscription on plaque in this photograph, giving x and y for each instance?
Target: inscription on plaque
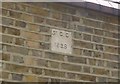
(61, 41)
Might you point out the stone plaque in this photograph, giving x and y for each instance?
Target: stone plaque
(61, 41)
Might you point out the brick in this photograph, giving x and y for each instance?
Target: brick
(86, 69)
(32, 44)
(87, 37)
(4, 75)
(3, 29)
(113, 19)
(91, 23)
(17, 77)
(77, 35)
(92, 61)
(20, 41)
(88, 30)
(111, 34)
(93, 14)
(58, 7)
(71, 75)
(41, 62)
(110, 56)
(101, 79)
(13, 31)
(56, 15)
(29, 61)
(84, 29)
(16, 15)
(100, 63)
(76, 59)
(30, 36)
(27, 17)
(33, 27)
(4, 12)
(38, 11)
(108, 34)
(41, 5)
(77, 51)
(8, 5)
(20, 24)
(30, 78)
(43, 80)
(110, 41)
(20, 50)
(5, 57)
(98, 32)
(47, 38)
(53, 22)
(100, 71)
(44, 45)
(75, 18)
(109, 26)
(83, 44)
(7, 39)
(99, 47)
(37, 53)
(1, 56)
(36, 71)
(111, 49)
(1, 47)
(54, 64)
(39, 19)
(97, 54)
(7, 21)
(44, 29)
(87, 77)
(0, 11)
(54, 56)
(0, 38)
(54, 73)
(115, 73)
(97, 39)
(66, 17)
(74, 26)
(20, 7)
(56, 23)
(18, 59)
(112, 80)
(112, 65)
(69, 67)
(16, 68)
(87, 52)
(116, 35)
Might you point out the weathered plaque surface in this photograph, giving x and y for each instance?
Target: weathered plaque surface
(61, 41)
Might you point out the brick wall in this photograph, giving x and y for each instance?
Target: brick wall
(26, 43)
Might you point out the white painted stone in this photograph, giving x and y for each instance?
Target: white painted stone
(61, 41)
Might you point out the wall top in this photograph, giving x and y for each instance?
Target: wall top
(107, 6)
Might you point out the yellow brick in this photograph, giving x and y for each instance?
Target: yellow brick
(56, 15)
(27, 17)
(29, 61)
(16, 15)
(8, 5)
(38, 11)
(29, 35)
(32, 44)
(30, 78)
(33, 27)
